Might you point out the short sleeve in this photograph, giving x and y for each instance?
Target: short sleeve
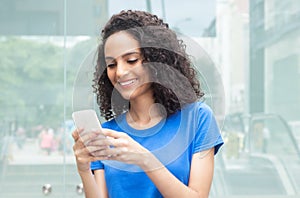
(96, 165)
(208, 133)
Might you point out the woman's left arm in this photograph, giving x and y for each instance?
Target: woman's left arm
(201, 175)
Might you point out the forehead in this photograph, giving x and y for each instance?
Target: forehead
(119, 44)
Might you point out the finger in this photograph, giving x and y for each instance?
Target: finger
(75, 134)
(92, 149)
(78, 145)
(118, 142)
(82, 152)
(85, 137)
(108, 142)
(98, 142)
(112, 133)
(110, 152)
(84, 159)
(92, 130)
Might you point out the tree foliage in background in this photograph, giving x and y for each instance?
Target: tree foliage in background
(32, 80)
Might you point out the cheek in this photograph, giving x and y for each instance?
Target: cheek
(144, 72)
(110, 75)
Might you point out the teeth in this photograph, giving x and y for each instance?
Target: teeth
(127, 82)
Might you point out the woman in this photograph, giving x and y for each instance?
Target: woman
(160, 139)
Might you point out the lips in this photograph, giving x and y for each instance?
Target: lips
(125, 83)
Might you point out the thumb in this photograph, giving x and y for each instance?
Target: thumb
(112, 133)
(75, 134)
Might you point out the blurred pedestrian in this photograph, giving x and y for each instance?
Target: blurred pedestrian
(46, 140)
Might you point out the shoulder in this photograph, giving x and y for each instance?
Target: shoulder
(208, 134)
(201, 115)
(114, 123)
(109, 124)
(199, 108)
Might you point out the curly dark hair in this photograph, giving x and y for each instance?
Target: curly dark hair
(174, 80)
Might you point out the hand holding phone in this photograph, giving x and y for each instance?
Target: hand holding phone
(92, 130)
(87, 120)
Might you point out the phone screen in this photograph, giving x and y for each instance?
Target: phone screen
(87, 120)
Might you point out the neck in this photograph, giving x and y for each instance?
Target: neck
(143, 114)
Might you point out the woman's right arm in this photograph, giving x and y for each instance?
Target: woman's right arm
(100, 180)
(93, 184)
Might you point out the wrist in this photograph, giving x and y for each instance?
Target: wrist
(150, 163)
(83, 168)
(84, 172)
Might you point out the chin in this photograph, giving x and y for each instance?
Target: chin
(127, 96)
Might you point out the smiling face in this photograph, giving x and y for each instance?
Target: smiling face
(124, 66)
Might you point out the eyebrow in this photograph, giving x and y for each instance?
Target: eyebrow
(126, 54)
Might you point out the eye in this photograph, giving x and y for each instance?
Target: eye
(132, 61)
(110, 65)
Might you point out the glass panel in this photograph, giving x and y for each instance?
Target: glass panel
(47, 60)
(261, 155)
(32, 115)
(42, 47)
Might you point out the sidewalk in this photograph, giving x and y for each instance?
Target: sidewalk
(32, 154)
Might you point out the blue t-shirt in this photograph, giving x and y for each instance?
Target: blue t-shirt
(173, 141)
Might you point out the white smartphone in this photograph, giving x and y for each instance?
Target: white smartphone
(87, 120)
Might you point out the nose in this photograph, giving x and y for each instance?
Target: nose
(122, 69)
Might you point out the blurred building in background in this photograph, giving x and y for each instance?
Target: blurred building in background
(230, 51)
(274, 72)
(34, 17)
(233, 41)
(257, 52)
